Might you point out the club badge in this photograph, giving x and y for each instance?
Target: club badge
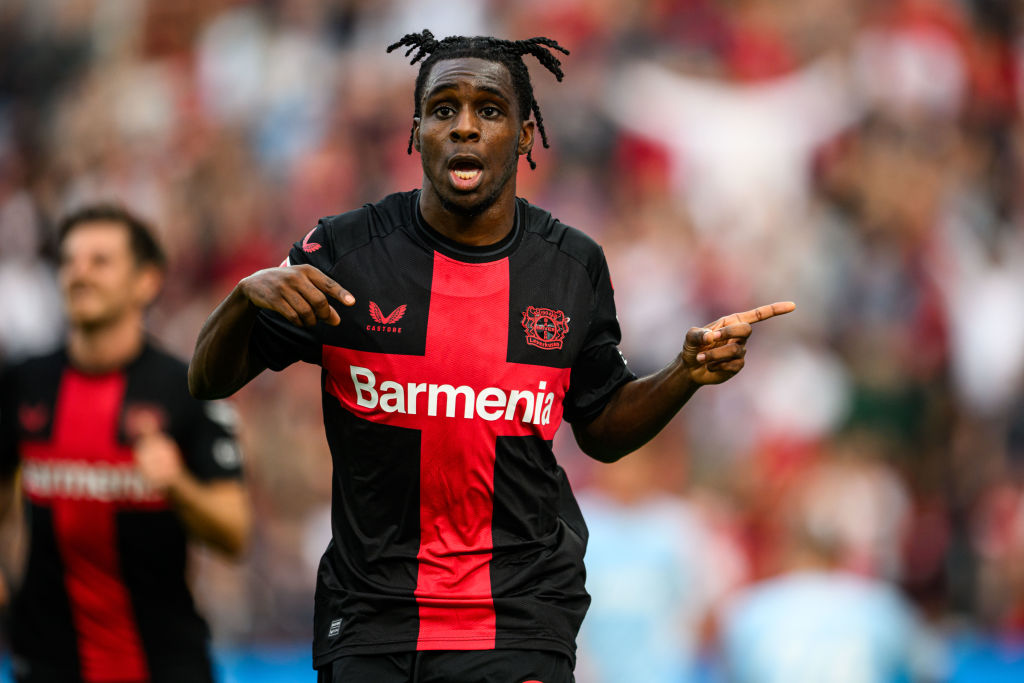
(545, 327)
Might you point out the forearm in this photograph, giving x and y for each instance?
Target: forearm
(12, 538)
(221, 363)
(636, 413)
(7, 495)
(215, 513)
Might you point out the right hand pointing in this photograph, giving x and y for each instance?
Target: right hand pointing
(299, 293)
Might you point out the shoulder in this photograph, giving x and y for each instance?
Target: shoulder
(348, 231)
(157, 358)
(158, 368)
(573, 243)
(160, 377)
(35, 368)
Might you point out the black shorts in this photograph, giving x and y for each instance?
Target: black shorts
(448, 666)
(191, 669)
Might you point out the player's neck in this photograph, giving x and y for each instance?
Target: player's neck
(106, 347)
(488, 227)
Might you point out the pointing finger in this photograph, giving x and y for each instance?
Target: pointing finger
(765, 312)
(317, 299)
(328, 286)
(756, 314)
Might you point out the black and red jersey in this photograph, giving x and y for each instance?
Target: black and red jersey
(104, 595)
(453, 526)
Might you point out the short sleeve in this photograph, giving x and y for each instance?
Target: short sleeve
(600, 368)
(8, 423)
(275, 342)
(207, 440)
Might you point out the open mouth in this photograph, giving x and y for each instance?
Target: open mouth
(465, 174)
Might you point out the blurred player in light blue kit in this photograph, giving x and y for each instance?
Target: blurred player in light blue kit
(653, 574)
(820, 624)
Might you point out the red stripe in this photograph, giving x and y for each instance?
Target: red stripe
(467, 331)
(85, 428)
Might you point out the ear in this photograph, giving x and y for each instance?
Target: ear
(148, 282)
(526, 137)
(416, 133)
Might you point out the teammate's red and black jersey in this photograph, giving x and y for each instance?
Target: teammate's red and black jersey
(104, 595)
(453, 525)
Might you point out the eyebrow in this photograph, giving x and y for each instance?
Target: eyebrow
(452, 85)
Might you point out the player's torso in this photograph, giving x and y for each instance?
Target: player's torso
(75, 432)
(434, 338)
(443, 388)
(105, 547)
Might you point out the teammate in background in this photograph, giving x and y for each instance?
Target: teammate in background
(119, 467)
(470, 323)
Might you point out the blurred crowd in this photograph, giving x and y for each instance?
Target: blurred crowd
(863, 158)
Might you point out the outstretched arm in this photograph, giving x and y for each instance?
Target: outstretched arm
(641, 408)
(222, 363)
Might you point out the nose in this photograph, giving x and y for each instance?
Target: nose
(464, 126)
(71, 268)
(75, 268)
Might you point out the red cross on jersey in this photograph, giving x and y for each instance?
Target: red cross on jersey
(454, 527)
(467, 334)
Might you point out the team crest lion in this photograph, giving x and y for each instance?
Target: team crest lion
(545, 328)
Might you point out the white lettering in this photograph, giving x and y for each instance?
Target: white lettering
(364, 387)
(546, 417)
(414, 391)
(513, 399)
(490, 404)
(489, 398)
(53, 479)
(392, 397)
(450, 393)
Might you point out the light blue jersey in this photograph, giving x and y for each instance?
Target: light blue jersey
(818, 627)
(645, 575)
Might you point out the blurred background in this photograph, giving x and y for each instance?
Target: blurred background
(863, 158)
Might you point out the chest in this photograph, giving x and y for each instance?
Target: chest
(435, 336)
(75, 434)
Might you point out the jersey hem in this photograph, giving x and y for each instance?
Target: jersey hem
(513, 643)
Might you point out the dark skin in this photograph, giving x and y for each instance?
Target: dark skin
(470, 115)
(470, 137)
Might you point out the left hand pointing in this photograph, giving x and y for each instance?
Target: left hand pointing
(714, 353)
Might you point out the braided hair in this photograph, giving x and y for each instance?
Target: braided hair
(507, 52)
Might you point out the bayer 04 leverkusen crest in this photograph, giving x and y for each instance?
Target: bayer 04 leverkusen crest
(545, 328)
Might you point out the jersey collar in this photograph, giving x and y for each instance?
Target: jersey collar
(462, 252)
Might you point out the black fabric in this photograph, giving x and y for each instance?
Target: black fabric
(500, 666)
(28, 391)
(44, 645)
(151, 543)
(539, 538)
(153, 565)
(385, 254)
(8, 427)
(368, 573)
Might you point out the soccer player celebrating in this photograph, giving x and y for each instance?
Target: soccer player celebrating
(119, 466)
(470, 324)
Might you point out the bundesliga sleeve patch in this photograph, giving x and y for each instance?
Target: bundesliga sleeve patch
(545, 328)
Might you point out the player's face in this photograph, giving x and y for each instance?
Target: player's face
(470, 134)
(100, 279)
